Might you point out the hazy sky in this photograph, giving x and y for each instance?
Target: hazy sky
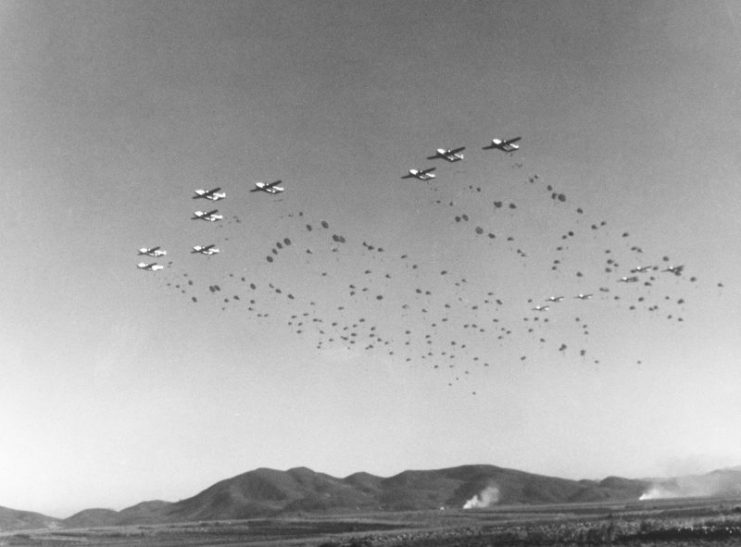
(119, 385)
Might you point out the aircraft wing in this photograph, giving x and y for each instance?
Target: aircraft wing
(207, 193)
(425, 171)
(273, 184)
(457, 150)
(512, 141)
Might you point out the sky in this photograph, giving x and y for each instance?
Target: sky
(402, 335)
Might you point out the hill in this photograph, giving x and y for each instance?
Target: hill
(268, 492)
(146, 512)
(12, 519)
(92, 517)
(721, 482)
(265, 492)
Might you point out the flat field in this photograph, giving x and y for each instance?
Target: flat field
(677, 522)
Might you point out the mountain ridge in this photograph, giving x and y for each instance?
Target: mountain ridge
(266, 492)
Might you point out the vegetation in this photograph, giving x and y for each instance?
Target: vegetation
(679, 522)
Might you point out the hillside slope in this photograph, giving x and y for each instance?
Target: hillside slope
(268, 492)
(13, 519)
(265, 492)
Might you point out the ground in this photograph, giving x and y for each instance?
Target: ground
(654, 522)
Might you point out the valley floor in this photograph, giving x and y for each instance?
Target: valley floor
(659, 522)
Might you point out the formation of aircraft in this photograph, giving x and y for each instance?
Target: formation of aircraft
(430, 308)
(505, 145)
(151, 267)
(207, 250)
(451, 155)
(213, 194)
(455, 154)
(271, 188)
(152, 251)
(210, 216)
(421, 174)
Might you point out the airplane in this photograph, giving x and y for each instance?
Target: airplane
(554, 298)
(421, 174)
(151, 267)
(582, 296)
(448, 154)
(505, 145)
(208, 250)
(271, 188)
(631, 279)
(210, 216)
(153, 251)
(540, 308)
(213, 195)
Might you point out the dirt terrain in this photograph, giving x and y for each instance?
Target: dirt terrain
(708, 521)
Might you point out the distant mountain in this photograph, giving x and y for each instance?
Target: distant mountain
(146, 512)
(92, 517)
(265, 492)
(721, 482)
(12, 519)
(268, 492)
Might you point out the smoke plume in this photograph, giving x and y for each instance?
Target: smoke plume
(718, 483)
(488, 496)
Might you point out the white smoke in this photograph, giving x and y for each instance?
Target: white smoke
(717, 483)
(485, 498)
(656, 492)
